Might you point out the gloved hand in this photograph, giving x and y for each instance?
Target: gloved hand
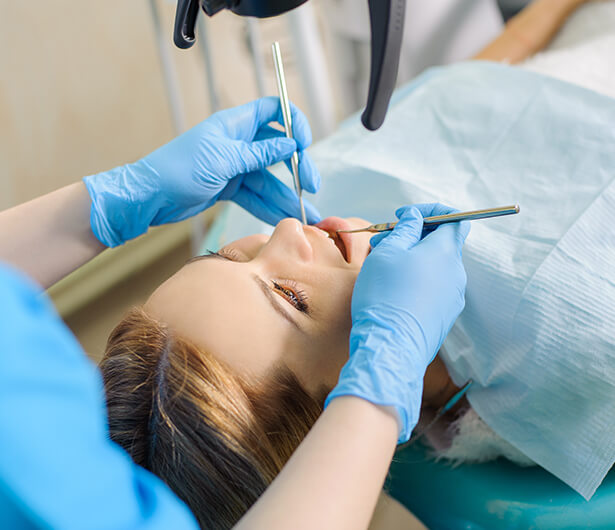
(223, 158)
(408, 294)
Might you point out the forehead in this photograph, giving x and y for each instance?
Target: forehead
(218, 305)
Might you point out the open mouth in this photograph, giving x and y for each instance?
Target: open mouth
(339, 243)
(342, 241)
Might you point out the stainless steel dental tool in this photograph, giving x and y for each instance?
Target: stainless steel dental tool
(288, 120)
(441, 219)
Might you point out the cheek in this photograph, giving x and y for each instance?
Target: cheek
(330, 297)
(335, 325)
(334, 296)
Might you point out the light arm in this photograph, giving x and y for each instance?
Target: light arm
(530, 31)
(50, 236)
(333, 479)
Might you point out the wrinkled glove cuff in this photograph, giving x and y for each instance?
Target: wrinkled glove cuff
(373, 373)
(118, 214)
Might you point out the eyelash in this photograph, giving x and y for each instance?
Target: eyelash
(288, 289)
(228, 253)
(295, 296)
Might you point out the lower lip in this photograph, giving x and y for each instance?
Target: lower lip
(333, 224)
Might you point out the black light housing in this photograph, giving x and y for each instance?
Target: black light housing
(387, 25)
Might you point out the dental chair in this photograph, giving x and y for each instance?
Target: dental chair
(493, 495)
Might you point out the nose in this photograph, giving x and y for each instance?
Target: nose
(289, 241)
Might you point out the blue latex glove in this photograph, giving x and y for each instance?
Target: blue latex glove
(407, 296)
(58, 468)
(223, 158)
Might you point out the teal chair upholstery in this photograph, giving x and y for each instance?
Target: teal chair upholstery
(494, 495)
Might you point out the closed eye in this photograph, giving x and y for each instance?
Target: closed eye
(287, 289)
(292, 296)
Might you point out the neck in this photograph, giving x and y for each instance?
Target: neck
(438, 387)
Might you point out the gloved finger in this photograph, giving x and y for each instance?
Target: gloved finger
(253, 156)
(400, 212)
(450, 234)
(276, 196)
(377, 238)
(267, 186)
(271, 214)
(268, 109)
(258, 207)
(266, 132)
(406, 233)
(463, 230)
(427, 209)
(312, 215)
(309, 175)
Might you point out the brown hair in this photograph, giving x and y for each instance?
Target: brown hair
(215, 438)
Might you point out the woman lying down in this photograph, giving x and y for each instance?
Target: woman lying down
(215, 381)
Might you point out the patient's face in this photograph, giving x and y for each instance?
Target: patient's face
(266, 300)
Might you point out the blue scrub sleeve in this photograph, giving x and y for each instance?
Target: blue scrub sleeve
(58, 468)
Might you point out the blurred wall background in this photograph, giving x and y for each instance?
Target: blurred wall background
(81, 88)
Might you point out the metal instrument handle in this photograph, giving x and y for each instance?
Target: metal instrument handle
(448, 218)
(288, 120)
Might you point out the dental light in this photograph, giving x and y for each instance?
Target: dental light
(387, 23)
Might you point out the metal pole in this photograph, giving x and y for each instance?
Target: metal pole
(312, 64)
(168, 72)
(198, 230)
(254, 39)
(208, 62)
(163, 42)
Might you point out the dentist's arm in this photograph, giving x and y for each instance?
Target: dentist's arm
(223, 158)
(50, 236)
(334, 478)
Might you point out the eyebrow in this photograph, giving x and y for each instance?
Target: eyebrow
(274, 299)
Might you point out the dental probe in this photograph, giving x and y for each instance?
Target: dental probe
(441, 219)
(288, 120)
